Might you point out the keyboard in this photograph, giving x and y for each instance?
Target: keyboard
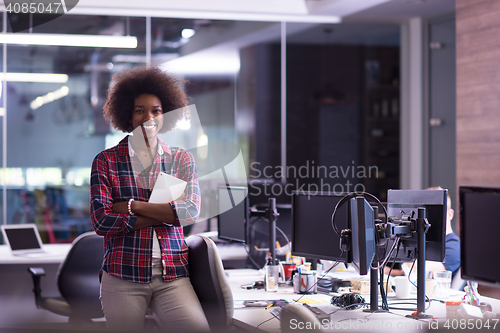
(320, 314)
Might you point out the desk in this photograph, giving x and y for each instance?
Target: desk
(250, 318)
(56, 255)
(16, 285)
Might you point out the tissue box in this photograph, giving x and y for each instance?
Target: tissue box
(468, 311)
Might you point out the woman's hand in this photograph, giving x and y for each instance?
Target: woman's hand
(120, 208)
(147, 213)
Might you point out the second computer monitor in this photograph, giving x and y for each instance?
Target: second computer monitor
(363, 234)
(407, 202)
(479, 229)
(312, 233)
(233, 205)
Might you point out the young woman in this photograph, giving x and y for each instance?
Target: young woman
(146, 259)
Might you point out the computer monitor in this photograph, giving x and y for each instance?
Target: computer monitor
(312, 232)
(406, 202)
(233, 205)
(362, 234)
(479, 230)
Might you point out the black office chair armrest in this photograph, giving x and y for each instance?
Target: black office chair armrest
(36, 274)
(38, 271)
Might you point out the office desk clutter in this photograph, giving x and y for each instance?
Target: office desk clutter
(272, 311)
(365, 243)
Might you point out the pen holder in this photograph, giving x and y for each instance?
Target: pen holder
(305, 283)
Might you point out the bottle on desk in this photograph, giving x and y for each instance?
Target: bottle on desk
(272, 274)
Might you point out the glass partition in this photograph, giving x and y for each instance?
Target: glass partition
(317, 113)
(56, 128)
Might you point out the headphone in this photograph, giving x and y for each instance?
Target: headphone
(345, 235)
(349, 301)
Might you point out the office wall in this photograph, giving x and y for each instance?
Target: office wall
(315, 132)
(478, 92)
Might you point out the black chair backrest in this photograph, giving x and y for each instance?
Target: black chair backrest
(207, 277)
(78, 276)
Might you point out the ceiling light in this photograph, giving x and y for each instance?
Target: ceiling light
(69, 40)
(204, 63)
(34, 77)
(216, 15)
(187, 33)
(50, 97)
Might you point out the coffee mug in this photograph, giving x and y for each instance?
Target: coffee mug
(403, 286)
(287, 268)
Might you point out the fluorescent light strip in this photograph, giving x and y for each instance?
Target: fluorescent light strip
(209, 15)
(34, 77)
(50, 97)
(69, 40)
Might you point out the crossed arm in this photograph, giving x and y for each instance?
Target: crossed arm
(148, 214)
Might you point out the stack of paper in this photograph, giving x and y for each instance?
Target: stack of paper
(167, 189)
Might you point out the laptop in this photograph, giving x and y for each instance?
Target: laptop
(23, 239)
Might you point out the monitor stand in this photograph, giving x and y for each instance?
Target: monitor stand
(422, 227)
(373, 292)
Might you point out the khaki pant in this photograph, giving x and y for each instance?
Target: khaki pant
(175, 303)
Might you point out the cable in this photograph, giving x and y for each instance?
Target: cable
(398, 240)
(251, 228)
(283, 234)
(387, 257)
(383, 295)
(409, 274)
(265, 321)
(257, 266)
(352, 195)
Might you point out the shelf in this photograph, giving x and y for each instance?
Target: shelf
(385, 87)
(381, 119)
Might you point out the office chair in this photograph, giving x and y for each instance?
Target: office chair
(77, 281)
(295, 317)
(209, 282)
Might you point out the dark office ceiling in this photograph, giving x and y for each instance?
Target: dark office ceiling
(401, 10)
(166, 39)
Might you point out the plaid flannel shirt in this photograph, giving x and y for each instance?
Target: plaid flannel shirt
(128, 255)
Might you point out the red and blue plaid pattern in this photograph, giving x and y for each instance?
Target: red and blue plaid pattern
(128, 255)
